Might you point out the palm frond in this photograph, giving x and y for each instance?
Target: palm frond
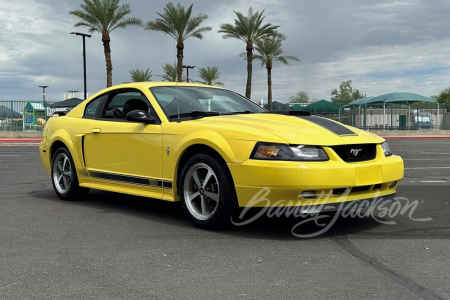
(209, 75)
(270, 50)
(177, 22)
(140, 75)
(104, 16)
(170, 72)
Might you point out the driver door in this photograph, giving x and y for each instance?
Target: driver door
(120, 152)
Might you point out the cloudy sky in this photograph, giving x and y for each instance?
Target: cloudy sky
(382, 46)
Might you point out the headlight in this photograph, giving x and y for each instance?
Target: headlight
(268, 151)
(386, 150)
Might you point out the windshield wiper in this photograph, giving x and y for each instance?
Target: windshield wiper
(239, 112)
(195, 114)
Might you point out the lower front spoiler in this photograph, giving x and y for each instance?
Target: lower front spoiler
(323, 208)
(348, 205)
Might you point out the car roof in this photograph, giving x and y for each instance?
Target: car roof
(149, 84)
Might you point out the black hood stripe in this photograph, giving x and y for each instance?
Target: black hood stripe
(332, 126)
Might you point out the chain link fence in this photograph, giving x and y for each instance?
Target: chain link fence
(29, 115)
(418, 116)
(26, 115)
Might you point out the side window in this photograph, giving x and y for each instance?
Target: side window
(91, 109)
(119, 104)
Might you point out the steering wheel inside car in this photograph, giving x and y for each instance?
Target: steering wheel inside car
(118, 114)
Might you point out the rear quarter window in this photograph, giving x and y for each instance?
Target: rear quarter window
(91, 108)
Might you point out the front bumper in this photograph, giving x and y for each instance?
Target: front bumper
(269, 183)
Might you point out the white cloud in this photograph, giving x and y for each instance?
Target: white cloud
(382, 46)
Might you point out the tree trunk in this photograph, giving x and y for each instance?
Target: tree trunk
(180, 47)
(248, 87)
(269, 87)
(106, 40)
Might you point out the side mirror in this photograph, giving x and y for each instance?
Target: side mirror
(140, 116)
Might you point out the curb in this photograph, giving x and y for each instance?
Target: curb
(415, 137)
(20, 140)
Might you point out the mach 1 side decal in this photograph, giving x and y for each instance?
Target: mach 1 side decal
(150, 182)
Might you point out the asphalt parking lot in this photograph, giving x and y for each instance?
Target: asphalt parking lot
(112, 246)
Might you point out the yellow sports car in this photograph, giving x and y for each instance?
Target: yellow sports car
(215, 151)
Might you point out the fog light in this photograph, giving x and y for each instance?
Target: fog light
(308, 194)
(393, 183)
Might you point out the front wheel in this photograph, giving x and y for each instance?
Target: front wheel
(207, 192)
(64, 176)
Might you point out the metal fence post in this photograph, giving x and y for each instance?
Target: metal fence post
(12, 113)
(443, 115)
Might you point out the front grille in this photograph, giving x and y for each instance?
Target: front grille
(376, 187)
(339, 192)
(356, 153)
(361, 188)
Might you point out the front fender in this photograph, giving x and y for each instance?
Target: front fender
(208, 138)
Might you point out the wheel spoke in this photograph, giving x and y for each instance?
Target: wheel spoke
(66, 182)
(197, 179)
(193, 196)
(66, 164)
(59, 180)
(60, 166)
(212, 196)
(207, 178)
(203, 204)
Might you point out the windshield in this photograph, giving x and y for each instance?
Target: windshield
(189, 101)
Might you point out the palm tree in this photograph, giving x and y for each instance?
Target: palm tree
(268, 52)
(210, 76)
(178, 23)
(170, 72)
(248, 29)
(104, 16)
(141, 75)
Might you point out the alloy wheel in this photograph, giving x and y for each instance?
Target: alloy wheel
(201, 191)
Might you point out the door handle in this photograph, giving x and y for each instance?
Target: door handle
(96, 130)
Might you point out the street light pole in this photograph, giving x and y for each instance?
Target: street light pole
(187, 71)
(84, 35)
(43, 100)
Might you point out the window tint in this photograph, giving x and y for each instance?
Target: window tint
(119, 104)
(91, 108)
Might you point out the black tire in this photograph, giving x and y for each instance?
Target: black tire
(64, 176)
(207, 192)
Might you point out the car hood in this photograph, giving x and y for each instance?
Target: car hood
(291, 129)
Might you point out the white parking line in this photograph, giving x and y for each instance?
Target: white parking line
(414, 159)
(423, 168)
(430, 181)
(9, 155)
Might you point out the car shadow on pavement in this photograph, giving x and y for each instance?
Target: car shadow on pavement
(264, 227)
(305, 227)
(146, 208)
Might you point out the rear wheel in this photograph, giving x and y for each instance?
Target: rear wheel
(207, 192)
(64, 176)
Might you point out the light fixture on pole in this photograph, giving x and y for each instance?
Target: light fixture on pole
(187, 71)
(43, 100)
(84, 35)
